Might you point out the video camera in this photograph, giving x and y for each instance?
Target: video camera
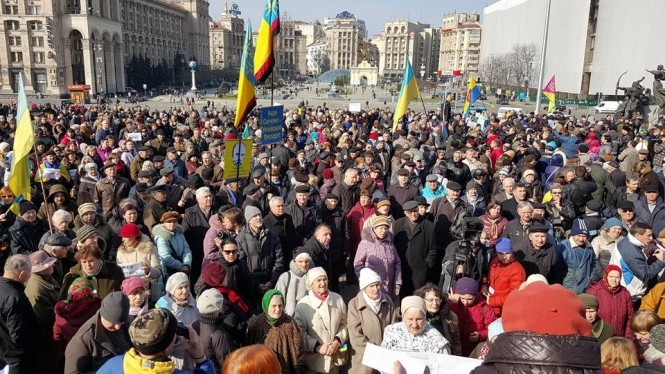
(468, 234)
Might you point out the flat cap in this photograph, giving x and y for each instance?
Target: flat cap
(454, 186)
(410, 206)
(251, 189)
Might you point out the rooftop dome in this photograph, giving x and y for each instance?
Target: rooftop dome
(331, 76)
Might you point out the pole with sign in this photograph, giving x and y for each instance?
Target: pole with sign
(272, 120)
(237, 158)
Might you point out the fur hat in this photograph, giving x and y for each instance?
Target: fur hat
(169, 216)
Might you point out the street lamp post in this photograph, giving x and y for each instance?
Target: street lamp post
(539, 89)
(193, 65)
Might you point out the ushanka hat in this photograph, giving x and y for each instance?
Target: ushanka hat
(152, 332)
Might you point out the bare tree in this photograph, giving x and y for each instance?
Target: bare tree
(494, 69)
(523, 63)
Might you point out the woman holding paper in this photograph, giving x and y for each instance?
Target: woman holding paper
(414, 333)
(137, 248)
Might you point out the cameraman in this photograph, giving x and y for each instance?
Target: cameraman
(468, 256)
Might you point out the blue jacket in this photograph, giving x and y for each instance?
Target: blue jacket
(178, 167)
(637, 273)
(568, 143)
(579, 266)
(655, 219)
(116, 365)
(551, 172)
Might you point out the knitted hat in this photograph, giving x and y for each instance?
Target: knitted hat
(494, 329)
(26, 206)
(213, 274)
(302, 252)
(558, 311)
(131, 284)
(250, 212)
(533, 278)
(504, 245)
(168, 216)
(314, 273)
(367, 277)
(612, 222)
(589, 301)
(115, 307)
(87, 207)
(579, 228)
(211, 301)
(658, 337)
(176, 280)
(384, 202)
(84, 232)
(471, 185)
(380, 221)
(611, 267)
(152, 332)
(466, 286)
(327, 174)
(413, 302)
(130, 230)
(80, 289)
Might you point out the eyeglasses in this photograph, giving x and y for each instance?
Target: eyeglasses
(434, 301)
(230, 252)
(7, 196)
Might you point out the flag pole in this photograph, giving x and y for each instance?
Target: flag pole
(272, 87)
(41, 182)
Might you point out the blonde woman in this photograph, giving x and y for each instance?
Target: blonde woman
(617, 354)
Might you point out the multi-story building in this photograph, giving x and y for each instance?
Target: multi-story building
(317, 58)
(55, 44)
(346, 17)
(429, 46)
(290, 50)
(460, 43)
(313, 31)
(344, 38)
(227, 39)
(400, 40)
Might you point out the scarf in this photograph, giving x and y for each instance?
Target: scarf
(321, 297)
(134, 363)
(494, 225)
(234, 298)
(597, 328)
(471, 199)
(137, 310)
(265, 303)
(94, 272)
(375, 305)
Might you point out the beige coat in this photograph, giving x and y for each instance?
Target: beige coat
(320, 322)
(365, 326)
(146, 251)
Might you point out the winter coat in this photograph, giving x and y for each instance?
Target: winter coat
(132, 363)
(285, 230)
(544, 261)
(474, 318)
(493, 227)
(357, 217)
(568, 143)
(173, 249)
(86, 190)
(210, 249)
(476, 209)
(552, 171)
(283, 337)
(382, 257)
(108, 280)
(43, 292)
(195, 226)
(69, 318)
(108, 195)
(503, 279)
(327, 187)
(321, 322)
(153, 213)
(319, 253)
(116, 221)
(417, 252)
(263, 254)
(604, 182)
(145, 251)
(25, 237)
(19, 330)
(638, 272)
(104, 231)
(348, 195)
(240, 280)
(655, 219)
(339, 241)
(47, 209)
(527, 352)
(654, 300)
(215, 341)
(446, 219)
(628, 157)
(458, 172)
(398, 196)
(185, 314)
(648, 178)
(448, 325)
(304, 223)
(293, 285)
(603, 246)
(579, 266)
(91, 347)
(614, 307)
(366, 326)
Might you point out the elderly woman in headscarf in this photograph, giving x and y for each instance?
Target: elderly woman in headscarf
(179, 300)
(605, 243)
(414, 333)
(322, 320)
(137, 248)
(61, 220)
(279, 332)
(614, 301)
(86, 188)
(369, 314)
(293, 283)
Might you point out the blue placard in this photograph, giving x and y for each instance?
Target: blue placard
(272, 119)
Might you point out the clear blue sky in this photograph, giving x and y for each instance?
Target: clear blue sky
(375, 13)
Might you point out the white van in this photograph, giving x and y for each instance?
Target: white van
(607, 107)
(504, 109)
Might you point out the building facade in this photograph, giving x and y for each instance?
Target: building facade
(401, 40)
(313, 31)
(317, 58)
(460, 43)
(344, 37)
(227, 38)
(346, 17)
(55, 44)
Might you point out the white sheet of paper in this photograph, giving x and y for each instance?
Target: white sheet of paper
(135, 136)
(416, 363)
(132, 270)
(51, 173)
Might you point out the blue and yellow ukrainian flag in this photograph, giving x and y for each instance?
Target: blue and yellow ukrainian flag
(472, 94)
(264, 59)
(408, 92)
(19, 180)
(246, 100)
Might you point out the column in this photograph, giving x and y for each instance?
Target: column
(119, 66)
(109, 74)
(66, 59)
(89, 66)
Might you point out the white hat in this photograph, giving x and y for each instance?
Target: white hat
(211, 301)
(367, 277)
(314, 273)
(533, 278)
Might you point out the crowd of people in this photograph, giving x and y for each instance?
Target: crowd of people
(459, 236)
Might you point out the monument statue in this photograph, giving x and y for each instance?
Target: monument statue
(658, 91)
(635, 99)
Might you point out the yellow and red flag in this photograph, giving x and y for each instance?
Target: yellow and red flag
(550, 93)
(264, 58)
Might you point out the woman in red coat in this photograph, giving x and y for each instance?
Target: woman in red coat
(614, 302)
(357, 217)
(505, 275)
(473, 314)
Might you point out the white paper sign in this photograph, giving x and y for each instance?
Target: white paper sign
(416, 363)
(354, 107)
(135, 136)
(132, 270)
(50, 173)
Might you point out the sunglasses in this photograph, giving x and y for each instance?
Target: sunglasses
(230, 252)
(7, 196)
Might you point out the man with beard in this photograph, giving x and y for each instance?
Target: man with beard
(538, 255)
(333, 216)
(281, 224)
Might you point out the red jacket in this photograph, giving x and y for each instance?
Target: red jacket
(503, 279)
(69, 318)
(614, 307)
(471, 319)
(495, 155)
(357, 217)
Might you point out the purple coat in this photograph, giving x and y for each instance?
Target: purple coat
(210, 250)
(380, 256)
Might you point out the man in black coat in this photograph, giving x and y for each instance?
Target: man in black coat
(196, 222)
(318, 246)
(537, 255)
(281, 224)
(415, 242)
(509, 207)
(19, 336)
(332, 215)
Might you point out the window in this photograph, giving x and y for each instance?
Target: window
(17, 56)
(38, 57)
(10, 9)
(11, 25)
(37, 41)
(14, 40)
(34, 10)
(35, 25)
